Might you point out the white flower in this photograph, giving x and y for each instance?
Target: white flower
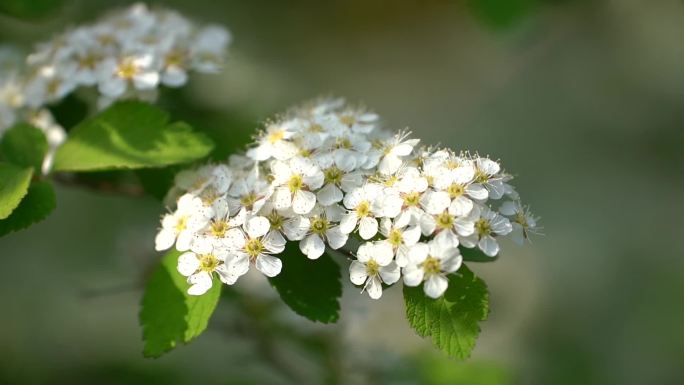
(360, 203)
(400, 234)
(254, 243)
(313, 232)
(486, 175)
(338, 177)
(522, 221)
(431, 263)
(394, 150)
(374, 266)
(295, 180)
(116, 75)
(182, 225)
(275, 142)
(487, 226)
(199, 264)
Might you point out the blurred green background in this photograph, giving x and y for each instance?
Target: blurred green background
(582, 100)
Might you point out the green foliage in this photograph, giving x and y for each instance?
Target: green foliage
(38, 203)
(29, 9)
(24, 145)
(452, 321)
(15, 182)
(311, 288)
(475, 255)
(168, 313)
(502, 13)
(130, 135)
(440, 371)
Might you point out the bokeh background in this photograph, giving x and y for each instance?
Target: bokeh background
(582, 100)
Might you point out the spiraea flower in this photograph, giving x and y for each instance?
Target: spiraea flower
(328, 176)
(126, 54)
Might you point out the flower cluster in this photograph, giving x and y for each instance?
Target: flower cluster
(126, 54)
(328, 172)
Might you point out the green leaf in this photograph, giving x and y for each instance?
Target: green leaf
(476, 255)
(29, 9)
(168, 313)
(452, 321)
(130, 135)
(24, 145)
(14, 183)
(502, 13)
(311, 288)
(38, 203)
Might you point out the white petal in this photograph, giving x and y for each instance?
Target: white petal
(365, 252)
(489, 246)
(188, 264)
(435, 286)
(374, 288)
(257, 226)
(274, 242)
(418, 253)
(234, 239)
(312, 246)
(296, 228)
(329, 194)
(282, 199)
(303, 202)
(201, 282)
(164, 240)
(146, 80)
(452, 263)
(390, 273)
(336, 238)
(348, 222)
(436, 202)
(477, 191)
(184, 241)
(411, 236)
(460, 206)
(357, 273)
(368, 227)
(383, 253)
(413, 275)
(269, 265)
(508, 208)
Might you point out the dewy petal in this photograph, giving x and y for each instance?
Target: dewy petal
(303, 202)
(418, 253)
(357, 273)
(329, 194)
(312, 246)
(188, 264)
(164, 239)
(368, 227)
(201, 282)
(269, 265)
(390, 273)
(488, 245)
(257, 226)
(436, 285)
(234, 239)
(413, 275)
(274, 242)
(374, 287)
(383, 253)
(296, 228)
(348, 222)
(336, 238)
(282, 199)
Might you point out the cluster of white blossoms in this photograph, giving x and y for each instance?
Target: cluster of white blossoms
(328, 172)
(126, 54)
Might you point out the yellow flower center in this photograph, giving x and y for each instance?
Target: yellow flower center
(483, 227)
(295, 183)
(219, 228)
(276, 220)
(395, 237)
(444, 221)
(431, 265)
(344, 143)
(253, 247)
(276, 136)
(208, 262)
(348, 120)
(319, 225)
(412, 199)
(315, 128)
(89, 61)
(389, 182)
(127, 69)
(333, 175)
(481, 176)
(372, 268)
(175, 58)
(455, 190)
(181, 224)
(363, 209)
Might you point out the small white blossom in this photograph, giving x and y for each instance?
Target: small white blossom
(431, 262)
(373, 267)
(254, 243)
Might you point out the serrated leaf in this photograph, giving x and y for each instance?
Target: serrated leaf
(451, 321)
(475, 255)
(130, 135)
(311, 288)
(38, 203)
(14, 183)
(168, 314)
(24, 145)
